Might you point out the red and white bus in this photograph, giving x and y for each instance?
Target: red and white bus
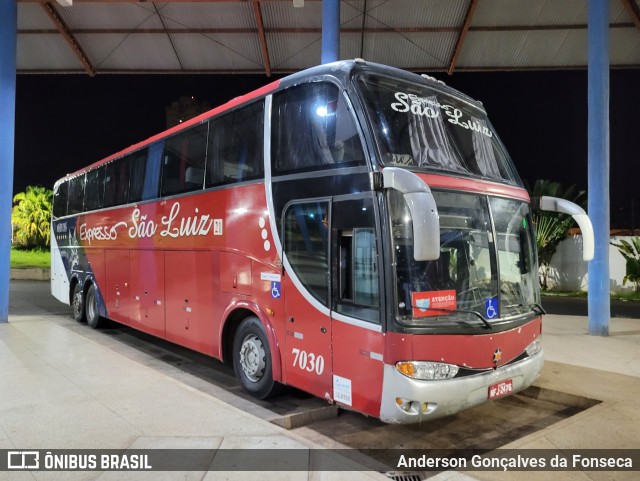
(353, 230)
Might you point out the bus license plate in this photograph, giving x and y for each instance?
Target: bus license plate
(500, 389)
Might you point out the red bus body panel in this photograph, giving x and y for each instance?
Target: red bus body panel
(171, 268)
(471, 351)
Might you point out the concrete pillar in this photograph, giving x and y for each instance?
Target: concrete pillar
(598, 189)
(330, 31)
(8, 27)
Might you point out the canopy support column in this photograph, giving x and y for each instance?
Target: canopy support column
(598, 190)
(8, 32)
(330, 31)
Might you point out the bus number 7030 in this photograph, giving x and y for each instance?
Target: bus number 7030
(308, 361)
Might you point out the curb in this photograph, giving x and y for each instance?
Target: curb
(30, 274)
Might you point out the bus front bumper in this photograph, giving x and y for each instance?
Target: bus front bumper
(408, 401)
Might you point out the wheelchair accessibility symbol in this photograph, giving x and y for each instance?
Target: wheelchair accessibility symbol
(491, 307)
(275, 290)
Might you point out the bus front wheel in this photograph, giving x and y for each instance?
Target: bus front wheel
(252, 359)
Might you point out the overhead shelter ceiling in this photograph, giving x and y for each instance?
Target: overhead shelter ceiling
(276, 36)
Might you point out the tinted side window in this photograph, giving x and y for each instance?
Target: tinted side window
(183, 161)
(94, 190)
(137, 169)
(306, 245)
(76, 195)
(356, 269)
(235, 146)
(60, 200)
(116, 182)
(312, 129)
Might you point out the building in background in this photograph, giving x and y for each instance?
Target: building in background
(183, 109)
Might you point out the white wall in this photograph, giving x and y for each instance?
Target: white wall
(568, 272)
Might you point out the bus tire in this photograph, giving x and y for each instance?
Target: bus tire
(91, 308)
(77, 303)
(252, 359)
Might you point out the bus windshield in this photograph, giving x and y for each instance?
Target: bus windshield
(424, 128)
(487, 268)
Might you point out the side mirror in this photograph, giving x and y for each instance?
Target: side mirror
(424, 213)
(555, 204)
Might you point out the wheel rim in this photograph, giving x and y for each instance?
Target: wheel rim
(77, 303)
(252, 358)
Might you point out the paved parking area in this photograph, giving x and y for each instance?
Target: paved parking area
(63, 386)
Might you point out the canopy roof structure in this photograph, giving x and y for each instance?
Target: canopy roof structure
(282, 36)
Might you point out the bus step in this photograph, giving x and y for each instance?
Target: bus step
(304, 418)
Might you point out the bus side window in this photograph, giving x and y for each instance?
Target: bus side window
(307, 247)
(60, 199)
(138, 166)
(116, 188)
(235, 146)
(150, 189)
(183, 161)
(312, 129)
(76, 195)
(94, 191)
(356, 273)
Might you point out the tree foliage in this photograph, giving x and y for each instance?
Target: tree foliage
(631, 253)
(31, 216)
(551, 227)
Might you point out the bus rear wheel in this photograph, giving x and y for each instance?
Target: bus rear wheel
(77, 304)
(91, 308)
(252, 359)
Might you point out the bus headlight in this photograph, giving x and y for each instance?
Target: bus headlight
(534, 348)
(429, 371)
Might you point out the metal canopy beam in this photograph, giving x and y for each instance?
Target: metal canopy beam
(206, 30)
(164, 30)
(263, 38)
(473, 4)
(64, 31)
(634, 11)
(163, 1)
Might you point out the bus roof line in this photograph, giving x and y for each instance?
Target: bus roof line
(264, 90)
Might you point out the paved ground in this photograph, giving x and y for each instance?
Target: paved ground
(63, 385)
(578, 306)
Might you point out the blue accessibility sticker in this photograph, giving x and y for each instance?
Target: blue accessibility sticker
(276, 293)
(491, 307)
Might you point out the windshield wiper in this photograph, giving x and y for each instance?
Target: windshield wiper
(535, 307)
(484, 320)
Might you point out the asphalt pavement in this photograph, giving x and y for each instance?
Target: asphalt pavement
(578, 306)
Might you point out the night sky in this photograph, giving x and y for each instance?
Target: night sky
(64, 122)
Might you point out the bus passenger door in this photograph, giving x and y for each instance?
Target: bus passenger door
(358, 340)
(305, 286)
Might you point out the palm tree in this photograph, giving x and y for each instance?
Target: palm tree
(551, 227)
(631, 253)
(31, 215)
